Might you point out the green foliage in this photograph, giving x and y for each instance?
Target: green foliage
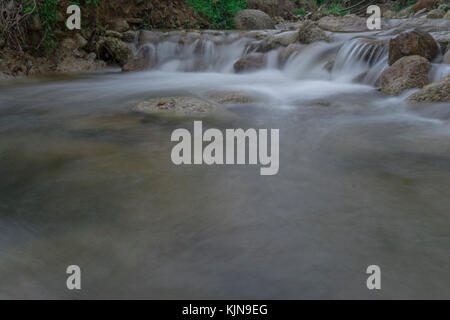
(47, 12)
(398, 6)
(219, 12)
(28, 6)
(300, 12)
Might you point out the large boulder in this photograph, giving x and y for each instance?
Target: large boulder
(146, 36)
(406, 73)
(251, 62)
(253, 20)
(178, 107)
(274, 8)
(410, 43)
(309, 33)
(282, 39)
(118, 50)
(349, 23)
(438, 91)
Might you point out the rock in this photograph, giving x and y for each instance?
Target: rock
(287, 52)
(189, 38)
(69, 44)
(349, 23)
(281, 8)
(119, 25)
(447, 15)
(406, 73)
(118, 50)
(250, 62)
(436, 14)
(438, 91)
(230, 97)
(81, 42)
(446, 58)
(148, 37)
(35, 23)
(72, 64)
(106, 122)
(329, 65)
(253, 20)
(91, 56)
(425, 25)
(178, 107)
(282, 39)
(410, 43)
(256, 34)
(388, 14)
(114, 34)
(135, 21)
(422, 4)
(4, 76)
(129, 36)
(442, 38)
(420, 13)
(2, 41)
(141, 61)
(309, 33)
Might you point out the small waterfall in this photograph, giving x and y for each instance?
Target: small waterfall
(189, 52)
(356, 60)
(363, 59)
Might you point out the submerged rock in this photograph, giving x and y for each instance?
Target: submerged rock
(287, 52)
(181, 107)
(411, 43)
(309, 33)
(119, 25)
(422, 4)
(230, 97)
(253, 20)
(250, 62)
(438, 91)
(406, 73)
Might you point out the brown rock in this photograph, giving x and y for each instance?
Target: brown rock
(119, 25)
(250, 62)
(423, 4)
(438, 91)
(406, 73)
(253, 20)
(410, 43)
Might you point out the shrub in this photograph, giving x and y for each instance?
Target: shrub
(219, 13)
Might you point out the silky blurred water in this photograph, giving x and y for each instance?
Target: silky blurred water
(85, 179)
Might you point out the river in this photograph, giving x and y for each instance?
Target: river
(87, 180)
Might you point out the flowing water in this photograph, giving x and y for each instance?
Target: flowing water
(364, 179)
